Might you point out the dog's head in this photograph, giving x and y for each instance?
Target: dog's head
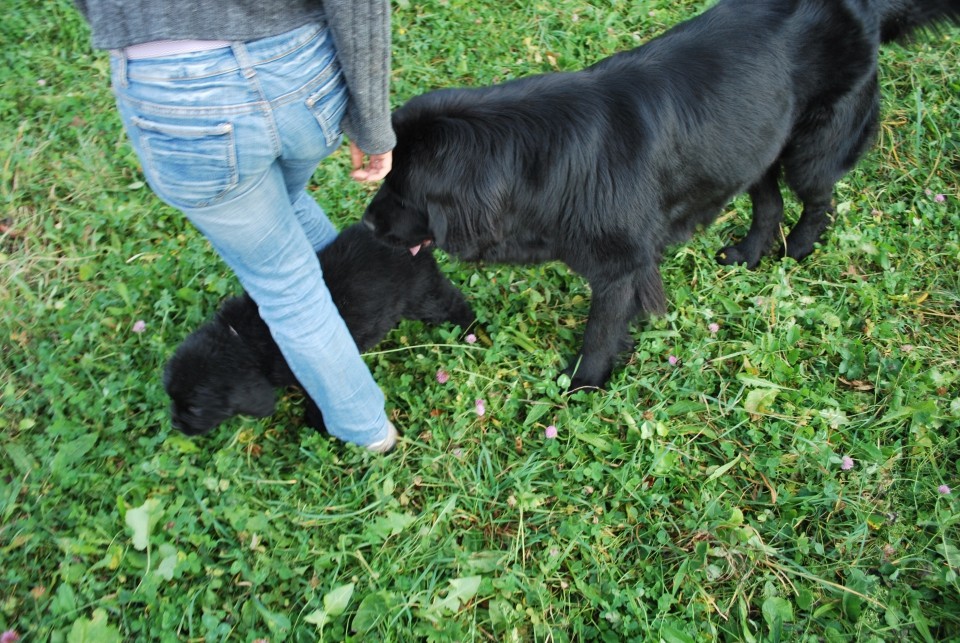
(399, 222)
(449, 182)
(212, 377)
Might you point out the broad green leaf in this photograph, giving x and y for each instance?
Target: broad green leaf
(736, 517)
(949, 552)
(390, 524)
(168, 562)
(372, 609)
(593, 440)
(317, 617)
(759, 401)
(93, 630)
(71, 452)
(671, 634)
(22, 460)
(182, 443)
(834, 417)
(461, 591)
(336, 600)
(722, 469)
(465, 588)
(85, 271)
(536, 412)
(683, 407)
(484, 562)
(777, 610)
(335, 603)
(141, 521)
(756, 382)
(277, 622)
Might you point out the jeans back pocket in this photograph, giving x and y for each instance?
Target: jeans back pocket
(188, 166)
(328, 104)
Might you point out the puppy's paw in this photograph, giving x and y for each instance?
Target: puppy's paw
(463, 316)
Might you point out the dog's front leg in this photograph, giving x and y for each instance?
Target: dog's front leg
(613, 306)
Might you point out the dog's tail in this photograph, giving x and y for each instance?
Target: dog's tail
(900, 18)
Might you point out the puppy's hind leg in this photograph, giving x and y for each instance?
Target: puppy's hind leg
(312, 416)
(767, 215)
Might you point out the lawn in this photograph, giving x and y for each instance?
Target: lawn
(774, 461)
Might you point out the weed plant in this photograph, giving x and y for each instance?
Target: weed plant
(777, 460)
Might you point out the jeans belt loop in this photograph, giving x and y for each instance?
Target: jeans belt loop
(120, 61)
(243, 58)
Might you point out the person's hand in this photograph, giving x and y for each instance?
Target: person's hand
(376, 168)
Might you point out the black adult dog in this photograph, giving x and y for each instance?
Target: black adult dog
(231, 365)
(603, 168)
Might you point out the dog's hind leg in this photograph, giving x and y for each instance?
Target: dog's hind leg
(614, 304)
(819, 156)
(816, 218)
(767, 215)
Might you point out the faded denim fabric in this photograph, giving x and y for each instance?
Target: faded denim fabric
(231, 137)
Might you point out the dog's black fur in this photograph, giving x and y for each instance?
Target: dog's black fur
(231, 364)
(605, 167)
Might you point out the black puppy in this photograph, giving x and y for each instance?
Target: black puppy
(605, 167)
(231, 365)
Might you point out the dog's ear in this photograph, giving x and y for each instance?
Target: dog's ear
(437, 216)
(468, 217)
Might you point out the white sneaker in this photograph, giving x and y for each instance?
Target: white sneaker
(386, 444)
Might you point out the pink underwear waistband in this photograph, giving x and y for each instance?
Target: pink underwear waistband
(159, 48)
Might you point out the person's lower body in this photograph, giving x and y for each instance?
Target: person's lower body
(231, 136)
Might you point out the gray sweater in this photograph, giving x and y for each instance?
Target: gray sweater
(360, 29)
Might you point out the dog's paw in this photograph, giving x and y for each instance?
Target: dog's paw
(580, 381)
(734, 256)
(798, 252)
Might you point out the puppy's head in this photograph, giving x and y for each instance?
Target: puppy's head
(212, 377)
(397, 221)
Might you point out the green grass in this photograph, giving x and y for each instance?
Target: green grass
(698, 501)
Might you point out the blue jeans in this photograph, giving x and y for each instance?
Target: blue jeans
(231, 136)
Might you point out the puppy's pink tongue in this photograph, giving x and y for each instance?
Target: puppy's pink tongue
(423, 244)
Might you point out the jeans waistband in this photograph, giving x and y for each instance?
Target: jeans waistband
(211, 62)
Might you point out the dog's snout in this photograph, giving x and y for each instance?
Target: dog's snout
(176, 421)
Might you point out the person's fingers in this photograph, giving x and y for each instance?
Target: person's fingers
(379, 166)
(356, 156)
(376, 168)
